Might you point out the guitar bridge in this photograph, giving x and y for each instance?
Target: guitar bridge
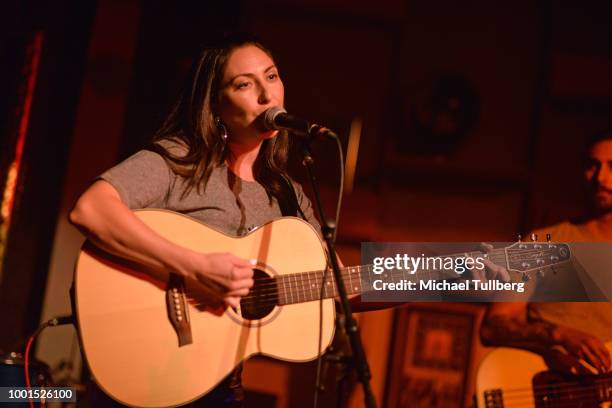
(178, 313)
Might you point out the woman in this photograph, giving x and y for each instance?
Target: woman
(212, 160)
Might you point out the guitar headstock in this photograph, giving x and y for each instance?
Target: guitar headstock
(533, 256)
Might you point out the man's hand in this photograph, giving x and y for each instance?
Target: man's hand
(578, 347)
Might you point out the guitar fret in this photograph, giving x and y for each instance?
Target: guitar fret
(308, 282)
(287, 280)
(300, 284)
(357, 283)
(297, 291)
(333, 284)
(313, 285)
(294, 289)
(284, 284)
(281, 293)
(308, 286)
(323, 286)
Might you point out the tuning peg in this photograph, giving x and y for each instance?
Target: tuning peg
(525, 277)
(534, 237)
(520, 242)
(548, 241)
(540, 273)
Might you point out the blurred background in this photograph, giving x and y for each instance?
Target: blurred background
(462, 121)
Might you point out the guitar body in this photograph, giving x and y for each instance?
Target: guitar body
(131, 346)
(507, 376)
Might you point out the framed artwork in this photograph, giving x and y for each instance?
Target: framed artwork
(430, 358)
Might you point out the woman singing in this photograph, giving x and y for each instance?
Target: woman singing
(212, 160)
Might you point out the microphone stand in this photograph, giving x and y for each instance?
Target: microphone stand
(327, 228)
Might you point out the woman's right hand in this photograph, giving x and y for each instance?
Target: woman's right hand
(227, 275)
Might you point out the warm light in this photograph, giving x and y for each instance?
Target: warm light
(352, 152)
(8, 196)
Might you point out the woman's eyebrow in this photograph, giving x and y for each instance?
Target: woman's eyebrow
(249, 74)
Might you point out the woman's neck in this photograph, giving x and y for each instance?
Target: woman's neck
(241, 159)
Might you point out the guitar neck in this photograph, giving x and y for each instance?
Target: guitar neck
(308, 286)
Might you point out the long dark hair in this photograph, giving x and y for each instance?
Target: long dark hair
(191, 123)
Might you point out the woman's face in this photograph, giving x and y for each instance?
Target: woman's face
(250, 85)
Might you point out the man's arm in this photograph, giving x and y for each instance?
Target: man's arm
(507, 324)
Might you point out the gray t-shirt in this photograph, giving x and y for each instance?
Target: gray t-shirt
(227, 203)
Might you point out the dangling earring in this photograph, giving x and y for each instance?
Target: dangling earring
(222, 129)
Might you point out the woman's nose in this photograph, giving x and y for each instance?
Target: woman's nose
(264, 95)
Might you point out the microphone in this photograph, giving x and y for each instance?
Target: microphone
(276, 118)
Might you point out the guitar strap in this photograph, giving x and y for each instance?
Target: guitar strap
(294, 209)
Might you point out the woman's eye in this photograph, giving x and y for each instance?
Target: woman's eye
(272, 76)
(242, 85)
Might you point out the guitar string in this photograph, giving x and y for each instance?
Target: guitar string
(584, 402)
(264, 302)
(550, 404)
(530, 399)
(305, 285)
(554, 391)
(345, 272)
(273, 287)
(271, 291)
(557, 385)
(496, 258)
(575, 392)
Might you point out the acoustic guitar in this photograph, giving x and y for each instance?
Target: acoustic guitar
(160, 341)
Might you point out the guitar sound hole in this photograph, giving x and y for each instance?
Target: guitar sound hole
(262, 297)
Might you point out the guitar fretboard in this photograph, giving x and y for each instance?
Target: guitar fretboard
(308, 286)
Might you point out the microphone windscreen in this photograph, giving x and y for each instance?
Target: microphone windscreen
(270, 115)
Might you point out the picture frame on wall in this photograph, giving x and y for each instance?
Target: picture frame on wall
(430, 357)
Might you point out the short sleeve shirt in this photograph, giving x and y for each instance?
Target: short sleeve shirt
(227, 202)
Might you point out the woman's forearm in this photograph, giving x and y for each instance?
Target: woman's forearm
(110, 224)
